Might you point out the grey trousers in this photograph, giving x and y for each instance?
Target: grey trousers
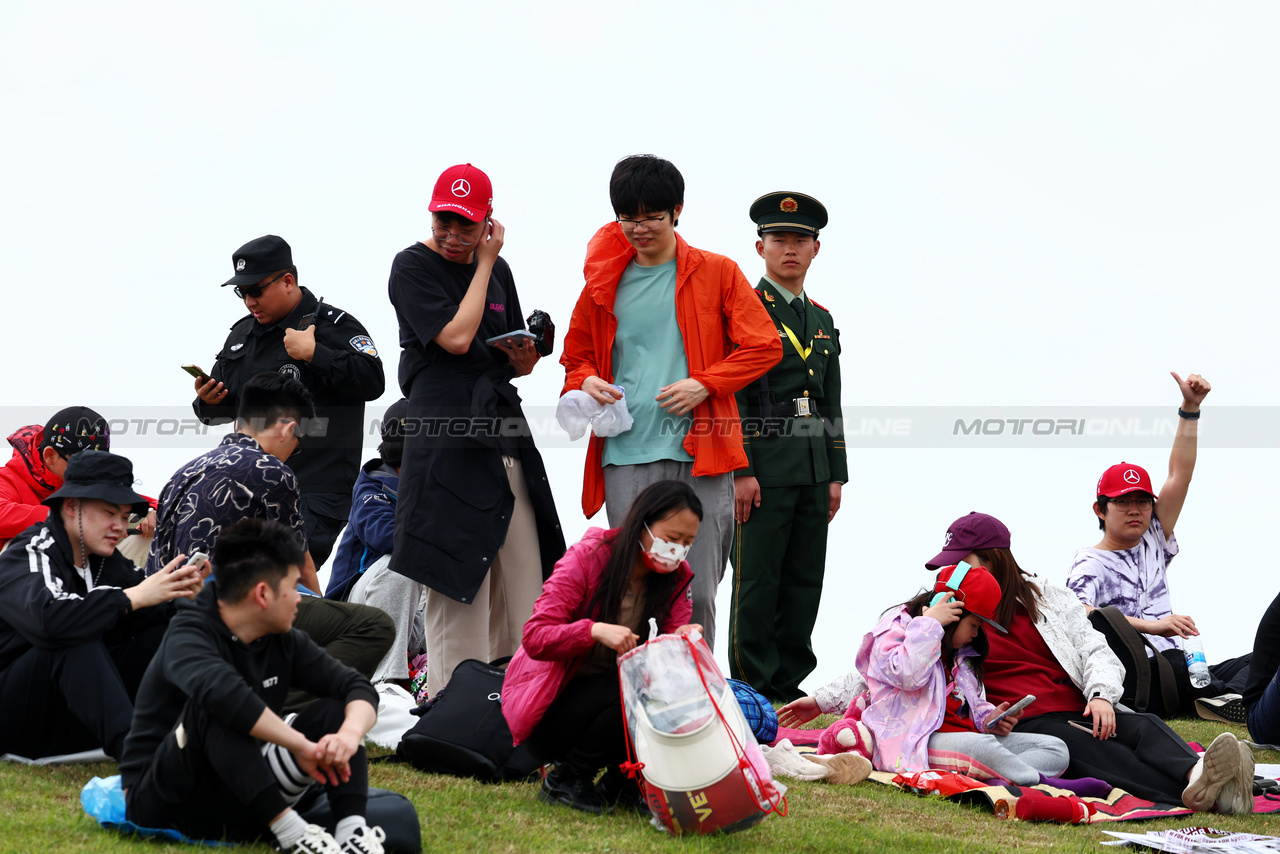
(1019, 757)
(403, 600)
(710, 550)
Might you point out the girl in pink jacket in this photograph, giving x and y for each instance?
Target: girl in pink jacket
(925, 706)
(561, 690)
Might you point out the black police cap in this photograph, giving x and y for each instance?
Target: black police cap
(258, 259)
(788, 212)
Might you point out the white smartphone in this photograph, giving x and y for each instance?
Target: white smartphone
(517, 334)
(1012, 710)
(197, 559)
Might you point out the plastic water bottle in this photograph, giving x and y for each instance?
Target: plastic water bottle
(1193, 649)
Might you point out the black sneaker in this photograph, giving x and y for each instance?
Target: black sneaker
(619, 792)
(1228, 708)
(563, 786)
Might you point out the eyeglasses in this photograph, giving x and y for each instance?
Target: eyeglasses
(464, 237)
(255, 291)
(648, 222)
(1126, 503)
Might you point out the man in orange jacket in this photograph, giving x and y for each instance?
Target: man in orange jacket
(675, 331)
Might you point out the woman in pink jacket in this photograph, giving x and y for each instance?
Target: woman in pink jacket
(561, 690)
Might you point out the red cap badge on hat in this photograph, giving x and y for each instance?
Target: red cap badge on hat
(1122, 478)
(464, 190)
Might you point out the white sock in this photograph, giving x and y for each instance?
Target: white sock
(347, 827)
(289, 828)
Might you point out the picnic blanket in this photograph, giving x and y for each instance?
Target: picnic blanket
(1042, 803)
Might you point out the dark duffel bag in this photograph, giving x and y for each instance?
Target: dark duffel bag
(462, 731)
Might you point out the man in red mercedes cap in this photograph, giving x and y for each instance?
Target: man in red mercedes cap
(475, 518)
(1127, 567)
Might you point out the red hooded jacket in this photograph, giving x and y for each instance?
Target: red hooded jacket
(729, 341)
(24, 483)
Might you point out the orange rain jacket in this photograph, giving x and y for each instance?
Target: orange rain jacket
(716, 309)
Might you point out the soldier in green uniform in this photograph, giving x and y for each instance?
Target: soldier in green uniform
(793, 435)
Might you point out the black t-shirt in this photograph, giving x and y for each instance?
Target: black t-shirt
(426, 290)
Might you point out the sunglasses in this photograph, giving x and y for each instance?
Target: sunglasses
(255, 291)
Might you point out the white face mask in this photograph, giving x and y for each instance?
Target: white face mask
(668, 554)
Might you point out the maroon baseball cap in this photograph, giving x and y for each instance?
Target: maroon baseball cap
(464, 190)
(1122, 478)
(968, 534)
(976, 589)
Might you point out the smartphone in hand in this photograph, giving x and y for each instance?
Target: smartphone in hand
(1012, 710)
(196, 372)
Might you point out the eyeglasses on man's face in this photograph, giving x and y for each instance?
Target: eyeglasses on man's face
(646, 223)
(466, 238)
(1131, 503)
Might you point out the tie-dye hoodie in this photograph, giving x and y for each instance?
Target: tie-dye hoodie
(901, 659)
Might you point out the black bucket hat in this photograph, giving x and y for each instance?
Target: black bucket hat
(99, 474)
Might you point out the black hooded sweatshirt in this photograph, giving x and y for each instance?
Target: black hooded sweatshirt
(202, 661)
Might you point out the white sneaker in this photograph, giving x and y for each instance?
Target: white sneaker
(784, 760)
(316, 840)
(366, 840)
(1236, 795)
(1219, 765)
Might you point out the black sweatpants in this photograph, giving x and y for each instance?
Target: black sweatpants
(55, 701)
(218, 784)
(582, 728)
(1145, 758)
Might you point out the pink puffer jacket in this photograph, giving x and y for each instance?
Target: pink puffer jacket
(558, 635)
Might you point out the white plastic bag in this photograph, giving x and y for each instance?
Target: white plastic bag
(578, 410)
(703, 770)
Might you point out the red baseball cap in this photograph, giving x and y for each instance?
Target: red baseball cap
(1122, 478)
(464, 190)
(976, 589)
(968, 534)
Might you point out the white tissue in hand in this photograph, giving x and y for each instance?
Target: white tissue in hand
(578, 410)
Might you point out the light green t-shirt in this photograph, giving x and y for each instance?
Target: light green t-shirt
(648, 353)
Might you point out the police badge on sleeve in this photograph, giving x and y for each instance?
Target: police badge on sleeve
(364, 344)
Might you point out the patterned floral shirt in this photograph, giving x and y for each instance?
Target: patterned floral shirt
(1133, 579)
(236, 480)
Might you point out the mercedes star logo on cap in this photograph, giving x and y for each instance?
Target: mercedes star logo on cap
(461, 187)
(1131, 476)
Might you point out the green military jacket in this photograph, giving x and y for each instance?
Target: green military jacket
(783, 449)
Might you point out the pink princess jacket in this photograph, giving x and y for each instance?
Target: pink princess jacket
(901, 659)
(558, 635)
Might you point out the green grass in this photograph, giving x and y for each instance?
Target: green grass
(40, 811)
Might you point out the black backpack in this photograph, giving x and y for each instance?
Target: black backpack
(1158, 683)
(462, 731)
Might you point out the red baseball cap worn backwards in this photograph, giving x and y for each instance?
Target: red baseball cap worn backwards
(1122, 478)
(974, 588)
(464, 190)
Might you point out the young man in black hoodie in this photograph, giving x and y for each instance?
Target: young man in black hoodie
(208, 753)
(78, 621)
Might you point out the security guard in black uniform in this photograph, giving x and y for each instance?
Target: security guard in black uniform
(291, 332)
(794, 438)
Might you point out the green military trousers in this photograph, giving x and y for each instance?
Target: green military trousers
(778, 559)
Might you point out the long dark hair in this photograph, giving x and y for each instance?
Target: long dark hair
(657, 501)
(1015, 585)
(917, 605)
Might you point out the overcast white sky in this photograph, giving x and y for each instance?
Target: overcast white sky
(1032, 205)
